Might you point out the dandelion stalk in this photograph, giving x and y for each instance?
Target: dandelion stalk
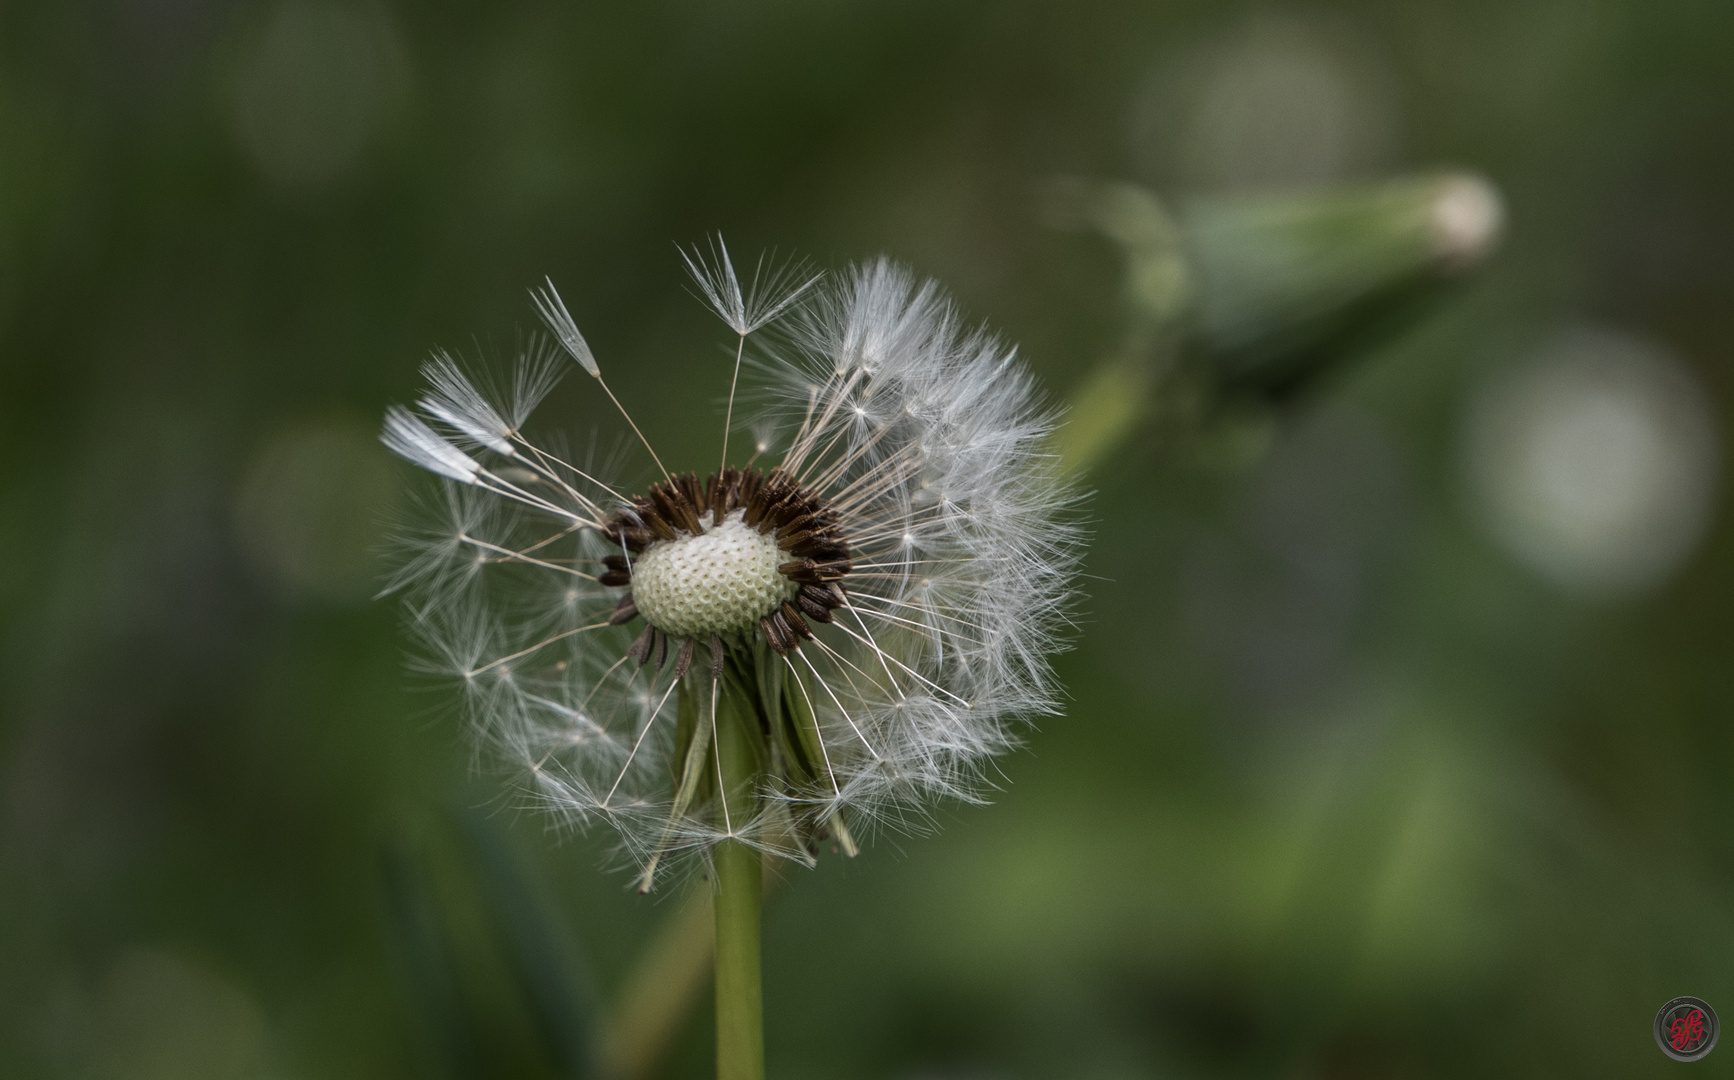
(740, 1032)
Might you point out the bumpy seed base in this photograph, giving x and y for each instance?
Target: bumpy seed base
(722, 581)
(715, 580)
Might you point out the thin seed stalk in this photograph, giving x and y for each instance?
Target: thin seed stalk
(740, 1028)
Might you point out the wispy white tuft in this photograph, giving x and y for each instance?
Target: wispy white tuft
(559, 320)
(773, 291)
(924, 434)
(537, 372)
(455, 402)
(487, 419)
(409, 438)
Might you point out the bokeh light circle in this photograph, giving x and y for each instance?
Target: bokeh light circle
(1594, 462)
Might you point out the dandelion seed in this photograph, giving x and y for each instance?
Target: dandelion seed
(415, 442)
(773, 290)
(866, 620)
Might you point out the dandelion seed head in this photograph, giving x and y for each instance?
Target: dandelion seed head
(883, 580)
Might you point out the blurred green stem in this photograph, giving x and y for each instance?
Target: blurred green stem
(1113, 400)
(740, 1027)
(661, 992)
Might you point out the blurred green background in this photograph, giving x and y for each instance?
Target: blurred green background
(1398, 740)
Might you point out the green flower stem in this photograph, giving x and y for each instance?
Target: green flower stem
(740, 1026)
(740, 1029)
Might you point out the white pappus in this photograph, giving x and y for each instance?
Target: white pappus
(877, 608)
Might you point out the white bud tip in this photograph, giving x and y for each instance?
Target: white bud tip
(1467, 219)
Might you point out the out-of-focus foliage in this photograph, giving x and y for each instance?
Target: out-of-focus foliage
(1398, 741)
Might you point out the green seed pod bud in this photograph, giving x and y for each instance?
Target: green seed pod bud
(1286, 286)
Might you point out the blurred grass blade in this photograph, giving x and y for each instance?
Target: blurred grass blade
(663, 990)
(1112, 402)
(418, 938)
(1158, 277)
(554, 977)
